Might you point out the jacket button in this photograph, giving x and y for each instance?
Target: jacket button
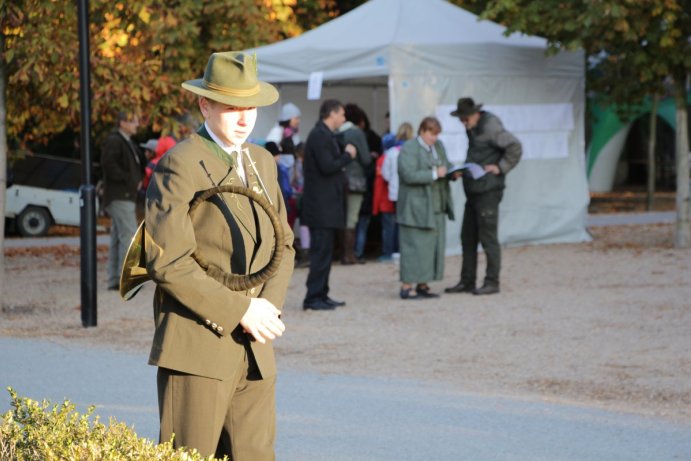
(214, 326)
(208, 322)
(220, 330)
(252, 290)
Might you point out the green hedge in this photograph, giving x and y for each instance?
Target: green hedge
(40, 431)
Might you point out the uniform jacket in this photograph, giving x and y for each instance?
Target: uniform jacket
(419, 194)
(197, 318)
(123, 168)
(323, 199)
(489, 143)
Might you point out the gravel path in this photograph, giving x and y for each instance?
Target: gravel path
(602, 324)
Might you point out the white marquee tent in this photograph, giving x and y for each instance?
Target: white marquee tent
(416, 58)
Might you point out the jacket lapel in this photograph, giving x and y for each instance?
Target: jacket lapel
(254, 183)
(426, 156)
(239, 204)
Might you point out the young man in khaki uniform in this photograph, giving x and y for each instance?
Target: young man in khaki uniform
(212, 346)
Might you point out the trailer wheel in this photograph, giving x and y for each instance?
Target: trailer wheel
(33, 221)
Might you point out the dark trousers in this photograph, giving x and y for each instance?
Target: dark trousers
(361, 234)
(321, 254)
(388, 234)
(480, 225)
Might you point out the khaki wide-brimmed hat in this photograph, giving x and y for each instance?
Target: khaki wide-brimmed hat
(231, 78)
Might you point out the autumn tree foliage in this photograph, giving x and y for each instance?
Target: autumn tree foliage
(141, 50)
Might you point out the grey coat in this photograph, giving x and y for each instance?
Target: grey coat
(420, 196)
(355, 171)
(490, 144)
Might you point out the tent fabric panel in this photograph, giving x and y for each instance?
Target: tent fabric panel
(485, 59)
(536, 189)
(379, 23)
(297, 67)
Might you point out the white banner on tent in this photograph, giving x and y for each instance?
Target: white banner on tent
(543, 129)
(314, 86)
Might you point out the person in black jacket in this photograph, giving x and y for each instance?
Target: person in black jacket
(497, 151)
(123, 168)
(323, 200)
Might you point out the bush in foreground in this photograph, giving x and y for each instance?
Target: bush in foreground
(41, 431)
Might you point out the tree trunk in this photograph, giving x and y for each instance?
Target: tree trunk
(683, 231)
(650, 199)
(3, 167)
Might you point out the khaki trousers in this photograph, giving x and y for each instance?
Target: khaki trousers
(234, 417)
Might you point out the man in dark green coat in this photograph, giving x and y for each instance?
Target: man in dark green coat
(497, 151)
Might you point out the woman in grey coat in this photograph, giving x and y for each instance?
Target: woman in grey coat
(424, 203)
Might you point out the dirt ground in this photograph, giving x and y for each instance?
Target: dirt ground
(604, 323)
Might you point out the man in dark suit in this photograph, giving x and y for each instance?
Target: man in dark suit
(323, 200)
(123, 168)
(213, 345)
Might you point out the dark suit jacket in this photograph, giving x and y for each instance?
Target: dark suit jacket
(122, 166)
(197, 318)
(323, 198)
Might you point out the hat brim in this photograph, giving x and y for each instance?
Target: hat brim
(465, 113)
(267, 94)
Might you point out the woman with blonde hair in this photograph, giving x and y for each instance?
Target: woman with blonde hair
(386, 192)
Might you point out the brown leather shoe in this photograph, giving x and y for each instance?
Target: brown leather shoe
(487, 290)
(460, 287)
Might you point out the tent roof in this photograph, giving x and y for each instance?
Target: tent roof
(363, 36)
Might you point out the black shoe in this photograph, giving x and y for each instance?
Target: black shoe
(334, 303)
(405, 293)
(302, 263)
(318, 305)
(460, 287)
(423, 292)
(487, 290)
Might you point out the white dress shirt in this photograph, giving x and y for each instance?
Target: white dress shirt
(229, 150)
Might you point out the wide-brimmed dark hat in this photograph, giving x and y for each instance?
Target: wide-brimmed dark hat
(466, 107)
(231, 78)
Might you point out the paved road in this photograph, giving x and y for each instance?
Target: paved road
(339, 418)
(19, 242)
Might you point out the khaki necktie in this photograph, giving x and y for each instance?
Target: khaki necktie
(236, 161)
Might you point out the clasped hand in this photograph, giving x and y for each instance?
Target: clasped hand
(494, 169)
(351, 150)
(261, 320)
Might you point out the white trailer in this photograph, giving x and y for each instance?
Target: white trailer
(35, 209)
